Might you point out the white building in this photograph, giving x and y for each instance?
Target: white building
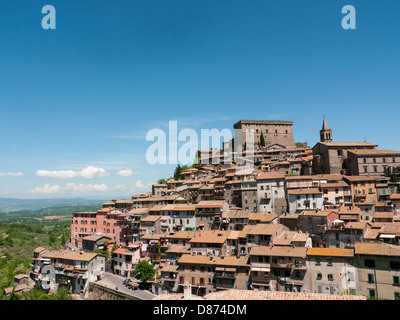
(305, 199)
(271, 195)
(72, 269)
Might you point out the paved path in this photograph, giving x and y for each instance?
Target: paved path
(113, 281)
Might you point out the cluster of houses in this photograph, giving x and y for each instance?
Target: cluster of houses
(322, 220)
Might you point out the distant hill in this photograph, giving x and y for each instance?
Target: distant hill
(13, 204)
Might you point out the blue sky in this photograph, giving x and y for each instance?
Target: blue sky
(80, 99)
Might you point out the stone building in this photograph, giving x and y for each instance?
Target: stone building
(372, 162)
(378, 266)
(331, 270)
(330, 156)
(273, 131)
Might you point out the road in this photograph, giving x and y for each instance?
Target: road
(112, 281)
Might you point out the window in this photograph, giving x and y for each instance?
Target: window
(330, 277)
(350, 261)
(370, 278)
(369, 263)
(372, 293)
(319, 276)
(395, 265)
(396, 280)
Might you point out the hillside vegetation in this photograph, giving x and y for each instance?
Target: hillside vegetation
(22, 231)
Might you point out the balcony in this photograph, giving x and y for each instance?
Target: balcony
(225, 275)
(282, 265)
(261, 279)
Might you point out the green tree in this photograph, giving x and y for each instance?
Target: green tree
(13, 296)
(177, 172)
(161, 181)
(262, 141)
(52, 238)
(144, 271)
(61, 294)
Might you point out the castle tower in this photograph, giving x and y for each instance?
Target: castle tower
(326, 133)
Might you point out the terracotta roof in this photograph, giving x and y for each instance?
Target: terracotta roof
(371, 234)
(289, 216)
(339, 184)
(304, 191)
(390, 229)
(210, 204)
(234, 235)
(70, 255)
(231, 261)
(237, 214)
(120, 251)
(383, 215)
(196, 259)
(151, 236)
(357, 225)
(320, 213)
(184, 207)
(380, 249)
(177, 249)
(210, 236)
(395, 196)
(330, 252)
(264, 229)
(150, 218)
(279, 251)
(263, 217)
(271, 176)
(39, 249)
(138, 211)
(287, 237)
(349, 144)
(183, 235)
(318, 177)
(348, 210)
(359, 178)
(374, 152)
(168, 268)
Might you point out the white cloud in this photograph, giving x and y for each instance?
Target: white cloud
(57, 174)
(125, 173)
(139, 184)
(71, 188)
(11, 174)
(89, 172)
(93, 172)
(47, 189)
(84, 188)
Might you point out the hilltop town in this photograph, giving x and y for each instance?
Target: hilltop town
(302, 221)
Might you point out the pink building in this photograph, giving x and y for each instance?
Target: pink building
(107, 221)
(126, 259)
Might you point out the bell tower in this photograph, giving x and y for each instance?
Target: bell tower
(326, 133)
